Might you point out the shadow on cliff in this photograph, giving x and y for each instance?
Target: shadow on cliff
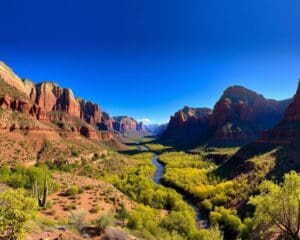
(286, 158)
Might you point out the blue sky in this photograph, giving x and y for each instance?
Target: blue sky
(147, 59)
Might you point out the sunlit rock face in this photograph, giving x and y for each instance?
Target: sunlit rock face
(47, 101)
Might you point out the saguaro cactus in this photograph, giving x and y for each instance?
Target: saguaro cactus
(41, 194)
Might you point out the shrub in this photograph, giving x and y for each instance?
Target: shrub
(212, 233)
(95, 209)
(4, 173)
(232, 223)
(15, 211)
(72, 191)
(104, 221)
(77, 219)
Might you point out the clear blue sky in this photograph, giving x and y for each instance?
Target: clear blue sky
(148, 58)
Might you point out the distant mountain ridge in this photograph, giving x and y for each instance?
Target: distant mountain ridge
(239, 117)
(128, 126)
(157, 129)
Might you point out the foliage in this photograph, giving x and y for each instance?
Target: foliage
(278, 207)
(72, 191)
(158, 148)
(181, 222)
(77, 219)
(231, 223)
(16, 209)
(21, 177)
(104, 221)
(184, 160)
(212, 233)
(143, 218)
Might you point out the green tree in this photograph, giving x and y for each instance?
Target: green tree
(278, 208)
(16, 209)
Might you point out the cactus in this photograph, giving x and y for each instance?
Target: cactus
(41, 197)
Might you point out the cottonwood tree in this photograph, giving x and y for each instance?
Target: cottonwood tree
(278, 208)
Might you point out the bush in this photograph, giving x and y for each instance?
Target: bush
(232, 223)
(15, 211)
(95, 209)
(4, 173)
(212, 233)
(72, 191)
(77, 219)
(207, 205)
(104, 221)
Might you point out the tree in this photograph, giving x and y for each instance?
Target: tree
(15, 211)
(278, 208)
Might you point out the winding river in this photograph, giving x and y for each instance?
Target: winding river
(201, 219)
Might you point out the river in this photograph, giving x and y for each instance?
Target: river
(201, 218)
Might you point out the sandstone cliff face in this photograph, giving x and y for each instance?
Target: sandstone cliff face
(241, 115)
(49, 102)
(51, 97)
(288, 129)
(11, 78)
(187, 126)
(106, 119)
(90, 112)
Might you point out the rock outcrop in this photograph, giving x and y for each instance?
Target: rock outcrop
(90, 112)
(47, 101)
(8, 76)
(51, 97)
(187, 127)
(241, 115)
(288, 129)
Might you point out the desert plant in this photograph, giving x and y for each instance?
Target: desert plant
(104, 221)
(77, 219)
(72, 191)
(39, 193)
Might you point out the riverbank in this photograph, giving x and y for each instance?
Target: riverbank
(201, 218)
